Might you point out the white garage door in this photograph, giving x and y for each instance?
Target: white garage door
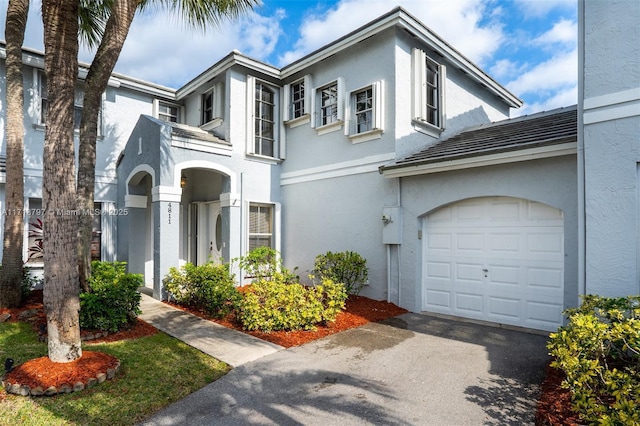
(495, 259)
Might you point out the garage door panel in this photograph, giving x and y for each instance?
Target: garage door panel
(545, 277)
(437, 270)
(469, 242)
(505, 275)
(437, 299)
(544, 314)
(439, 241)
(501, 308)
(468, 303)
(542, 211)
(469, 272)
(506, 263)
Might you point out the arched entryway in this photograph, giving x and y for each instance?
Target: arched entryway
(497, 259)
(140, 223)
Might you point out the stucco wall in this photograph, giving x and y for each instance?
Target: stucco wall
(611, 141)
(549, 181)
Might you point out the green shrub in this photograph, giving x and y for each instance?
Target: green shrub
(114, 301)
(264, 263)
(270, 305)
(209, 287)
(599, 350)
(348, 268)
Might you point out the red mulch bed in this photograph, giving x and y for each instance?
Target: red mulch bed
(359, 311)
(553, 405)
(45, 373)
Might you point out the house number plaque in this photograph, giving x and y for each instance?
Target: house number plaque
(169, 212)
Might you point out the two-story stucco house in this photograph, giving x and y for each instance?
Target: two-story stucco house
(387, 142)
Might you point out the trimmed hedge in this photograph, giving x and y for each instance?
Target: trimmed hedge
(347, 267)
(599, 350)
(209, 287)
(114, 300)
(270, 305)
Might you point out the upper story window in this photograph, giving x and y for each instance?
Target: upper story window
(365, 117)
(264, 117)
(428, 102)
(78, 101)
(329, 107)
(297, 100)
(167, 111)
(211, 107)
(329, 104)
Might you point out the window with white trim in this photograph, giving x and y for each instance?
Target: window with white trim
(211, 107)
(260, 225)
(77, 102)
(264, 119)
(365, 112)
(297, 100)
(167, 111)
(428, 102)
(329, 106)
(264, 132)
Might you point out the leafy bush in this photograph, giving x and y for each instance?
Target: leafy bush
(348, 268)
(270, 305)
(599, 350)
(114, 301)
(209, 287)
(264, 263)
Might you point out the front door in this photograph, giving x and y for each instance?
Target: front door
(205, 230)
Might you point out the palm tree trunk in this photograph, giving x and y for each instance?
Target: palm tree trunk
(115, 33)
(61, 299)
(11, 273)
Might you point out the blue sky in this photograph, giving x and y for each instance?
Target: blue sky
(529, 46)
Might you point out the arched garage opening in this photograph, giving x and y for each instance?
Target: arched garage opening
(496, 259)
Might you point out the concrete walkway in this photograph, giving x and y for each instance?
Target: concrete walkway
(227, 345)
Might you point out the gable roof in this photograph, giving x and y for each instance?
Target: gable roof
(546, 134)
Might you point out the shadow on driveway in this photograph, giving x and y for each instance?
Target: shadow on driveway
(409, 370)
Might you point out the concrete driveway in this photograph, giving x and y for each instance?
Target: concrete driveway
(409, 370)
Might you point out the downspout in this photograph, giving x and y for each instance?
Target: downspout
(582, 282)
(399, 245)
(242, 222)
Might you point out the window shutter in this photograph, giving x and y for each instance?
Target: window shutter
(419, 60)
(286, 105)
(251, 106)
(378, 105)
(443, 109)
(341, 102)
(308, 94)
(312, 106)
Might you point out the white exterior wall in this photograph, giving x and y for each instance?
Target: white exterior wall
(610, 139)
(333, 196)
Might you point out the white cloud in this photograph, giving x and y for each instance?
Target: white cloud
(550, 84)
(458, 22)
(564, 31)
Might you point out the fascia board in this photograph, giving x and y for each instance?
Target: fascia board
(458, 59)
(422, 33)
(340, 44)
(234, 58)
(481, 161)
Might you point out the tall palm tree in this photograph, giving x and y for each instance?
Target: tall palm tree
(11, 273)
(61, 298)
(196, 13)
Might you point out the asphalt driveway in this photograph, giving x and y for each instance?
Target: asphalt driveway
(409, 370)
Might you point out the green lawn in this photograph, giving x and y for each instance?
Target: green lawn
(155, 371)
